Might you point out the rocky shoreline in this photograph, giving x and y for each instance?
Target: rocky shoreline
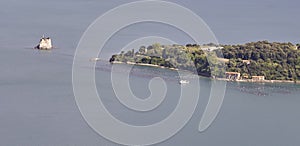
(142, 64)
(223, 79)
(261, 81)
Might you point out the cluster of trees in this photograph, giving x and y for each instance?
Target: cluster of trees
(275, 61)
(189, 57)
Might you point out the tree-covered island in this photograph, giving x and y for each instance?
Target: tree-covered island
(260, 60)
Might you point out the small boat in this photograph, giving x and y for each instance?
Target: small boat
(95, 59)
(184, 82)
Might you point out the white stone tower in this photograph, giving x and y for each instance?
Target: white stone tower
(45, 43)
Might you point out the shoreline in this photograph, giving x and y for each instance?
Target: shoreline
(142, 64)
(222, 79)
(260, 81)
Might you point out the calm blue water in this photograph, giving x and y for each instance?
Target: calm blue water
(37, 105)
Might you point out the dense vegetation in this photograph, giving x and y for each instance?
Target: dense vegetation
(189, 57)
(275, 61)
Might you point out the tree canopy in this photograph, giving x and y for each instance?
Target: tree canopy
(275, 61)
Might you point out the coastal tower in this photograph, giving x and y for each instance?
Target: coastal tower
(44, 44)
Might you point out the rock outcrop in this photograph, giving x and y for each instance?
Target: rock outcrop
(44, 44)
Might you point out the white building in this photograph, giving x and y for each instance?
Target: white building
(210, 48)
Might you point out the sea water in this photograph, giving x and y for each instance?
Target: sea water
(37, 104)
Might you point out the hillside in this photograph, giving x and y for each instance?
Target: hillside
(275, 61)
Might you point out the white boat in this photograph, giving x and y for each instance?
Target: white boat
(184, 82)
(95, 59)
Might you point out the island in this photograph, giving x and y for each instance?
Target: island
(44, 44)
(260, 61)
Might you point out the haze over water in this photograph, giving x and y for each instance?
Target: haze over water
(37, 105)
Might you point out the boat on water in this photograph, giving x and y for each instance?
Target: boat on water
(95, 59)
(184, 82)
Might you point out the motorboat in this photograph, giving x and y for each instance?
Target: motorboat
(184, 82)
